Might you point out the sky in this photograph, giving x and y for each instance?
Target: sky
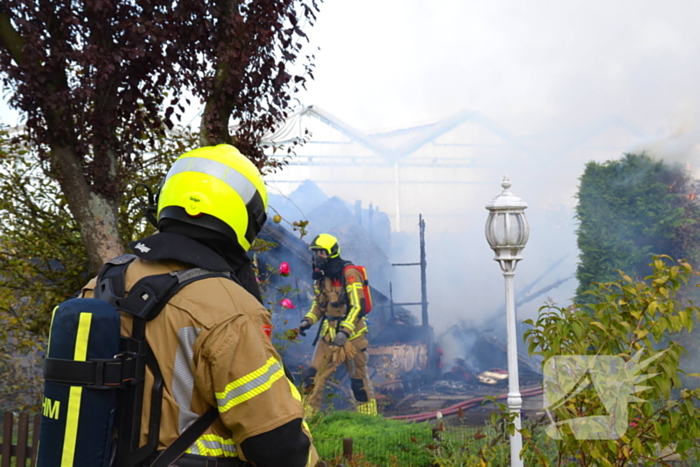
(533, 67)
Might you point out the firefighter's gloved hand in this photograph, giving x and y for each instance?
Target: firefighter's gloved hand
(303, 326)
(340, 339)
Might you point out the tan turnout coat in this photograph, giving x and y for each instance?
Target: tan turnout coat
(212, 344)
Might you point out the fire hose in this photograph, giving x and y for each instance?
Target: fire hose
(468, 404)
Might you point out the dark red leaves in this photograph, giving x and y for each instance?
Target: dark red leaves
(98, 75)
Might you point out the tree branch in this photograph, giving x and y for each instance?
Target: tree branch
(10, 39)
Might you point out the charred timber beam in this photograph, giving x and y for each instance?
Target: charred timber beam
(543, 290)
(423, 281)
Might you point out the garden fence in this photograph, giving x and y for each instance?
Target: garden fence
(19, 440)
(392, 449)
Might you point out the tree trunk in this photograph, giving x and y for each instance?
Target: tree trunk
(213, 129)
(96, 215)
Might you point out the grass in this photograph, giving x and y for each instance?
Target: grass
(376, 441)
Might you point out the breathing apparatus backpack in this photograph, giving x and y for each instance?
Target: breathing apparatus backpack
(94, 377)
(365, 303)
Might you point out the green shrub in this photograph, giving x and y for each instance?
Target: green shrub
(637, 322)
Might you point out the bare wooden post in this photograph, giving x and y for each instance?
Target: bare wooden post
(6, 439)
(347, 449)
(35, 439)
(22, 435)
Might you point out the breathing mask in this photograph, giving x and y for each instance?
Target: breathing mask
(319, 261)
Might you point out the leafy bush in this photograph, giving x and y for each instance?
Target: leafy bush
(633, 322)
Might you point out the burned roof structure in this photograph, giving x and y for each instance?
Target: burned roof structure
(404, 356)
(286, 246)
(363, 233)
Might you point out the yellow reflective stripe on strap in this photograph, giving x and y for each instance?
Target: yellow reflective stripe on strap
(250, 385)
(213, 445)
(76, 393)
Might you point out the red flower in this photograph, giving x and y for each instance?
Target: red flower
(284, 269)
(287, 303)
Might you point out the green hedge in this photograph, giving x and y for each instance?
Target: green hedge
(629, 209)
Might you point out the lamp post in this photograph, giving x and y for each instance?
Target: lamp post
(507, 232)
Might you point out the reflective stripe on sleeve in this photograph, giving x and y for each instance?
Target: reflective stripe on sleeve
(307, 432)
(295, 391)
(213, 445)
(353, 295)
(311, 317)
(250, 385)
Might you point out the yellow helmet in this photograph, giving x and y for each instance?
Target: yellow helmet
(328, 243)
(218, 188)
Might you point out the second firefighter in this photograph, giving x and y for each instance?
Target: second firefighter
(339, 304)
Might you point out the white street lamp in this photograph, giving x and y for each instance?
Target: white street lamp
(507, 232)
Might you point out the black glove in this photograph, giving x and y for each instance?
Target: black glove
(340, 339)
(303, 326)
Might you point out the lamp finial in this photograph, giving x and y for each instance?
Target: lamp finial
(506, 184)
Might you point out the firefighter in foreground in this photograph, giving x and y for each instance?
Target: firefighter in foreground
(339, 305)
(211, 339)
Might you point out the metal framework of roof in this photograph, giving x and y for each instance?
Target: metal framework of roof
(415, 138)
(420, 149)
